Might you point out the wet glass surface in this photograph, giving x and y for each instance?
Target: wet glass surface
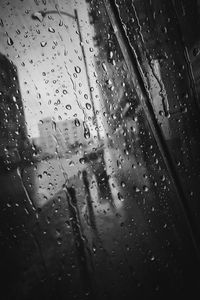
(99, 151)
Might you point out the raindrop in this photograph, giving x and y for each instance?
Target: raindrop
(64, 92)
(77, 122)
(152, 258)
(123, 184)
(163, 178)
(10, 41)
(104, 67)
(88, 106)
(1, 23)
(136, 189)
(145, 188)
(82, 160)
(196, 51)
(43, 44)
(71, 163)
(38, 16)
(120, 197)
(126, 152)
(86, 131)
(161, 113)
(59, 241)
(61, 23)
(77, 69)
(94, 248)
(68, 107)
(164, 30)
(111, 54)
(108, 82)
(50, 29)
(119, 165)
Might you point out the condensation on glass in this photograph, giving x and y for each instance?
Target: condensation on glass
(90, 207)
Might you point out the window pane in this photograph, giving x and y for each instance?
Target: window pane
(90, 206)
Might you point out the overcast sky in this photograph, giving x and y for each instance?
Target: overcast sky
(49, 58)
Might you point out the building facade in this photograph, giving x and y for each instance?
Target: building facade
(14, 140)
(60, 137)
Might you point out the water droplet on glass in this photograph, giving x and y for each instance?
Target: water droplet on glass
(152, 258)
(59, 241)
(119, 165)
(77, 69)
(82, 160)
(104, 67)
(88, 106)
(71, 163)
(145, 188)
(1, 23)
(94, 248)
(86, 131)
(77, 122)
(38, 16)
(68, 107)
(123, 184)
(136, 189)
(50, 29)
(43, 44)
(126, 152)
(120, 197)
(10, 41)
(196, 51)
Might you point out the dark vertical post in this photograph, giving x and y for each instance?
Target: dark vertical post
(79, 239)
(89, 202)
(86, 71)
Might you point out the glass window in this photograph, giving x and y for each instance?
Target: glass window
(98, 151)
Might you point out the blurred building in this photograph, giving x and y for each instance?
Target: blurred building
(60, 137)
(46, 139)
(13, 132)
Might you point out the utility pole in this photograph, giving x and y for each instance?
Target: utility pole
(40, 15)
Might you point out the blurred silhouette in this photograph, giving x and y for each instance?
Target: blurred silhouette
(15, 146)
(97, 165)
